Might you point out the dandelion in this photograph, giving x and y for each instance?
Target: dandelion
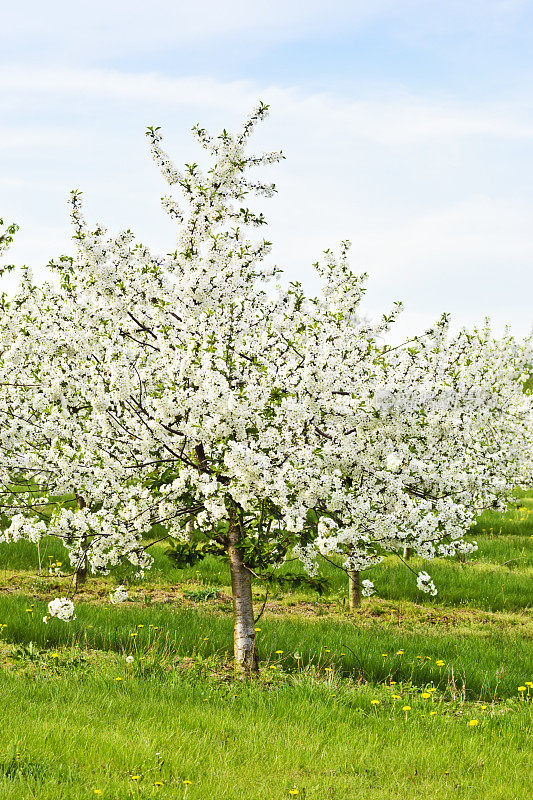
(473, 722)
(257, 630)
(118, 679)
(375, 702)
(521, 688)
(135, 777)
(385, 655)
(432, 713)
(406, 708)
(97, 791)
(328, 669)
(425, 695)
(294, 792)
(400, 652)
(129, 659)
(187, 783)
(396, 697)
(158, 783)
(439, 663)
(279, 652)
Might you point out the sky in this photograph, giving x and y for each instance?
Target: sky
(407, 128)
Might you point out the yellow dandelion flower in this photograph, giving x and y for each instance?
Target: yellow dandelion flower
(425, 695)
(294, 792)
(406, 708)
(257, 629)
(473, 722)
(375, 702)
(118, 679)
(158, 783)
(396, 697)
(400, 652)
(328, 669)
(279, 652)
(439, 663)
(385, 655)
(135, 777)
(187, 783)
(521, 688)
(97, 791)
(432, 713)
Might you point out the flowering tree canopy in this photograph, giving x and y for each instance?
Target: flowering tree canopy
(181, 390)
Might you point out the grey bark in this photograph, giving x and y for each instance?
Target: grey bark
(246, 661)
(354, 589)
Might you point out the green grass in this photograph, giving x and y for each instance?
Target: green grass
(69, 727)
(481, 660)
(77, 730)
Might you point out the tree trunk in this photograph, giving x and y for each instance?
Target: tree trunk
(354, 589)
(406, 553)
(81, 569)
(246, 662)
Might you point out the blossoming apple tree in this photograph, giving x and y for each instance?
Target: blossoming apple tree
(179, 390)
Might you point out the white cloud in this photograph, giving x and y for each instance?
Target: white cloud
(434, 194)
(389, 119)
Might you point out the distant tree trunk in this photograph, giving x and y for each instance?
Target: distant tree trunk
(81, 569)
(406, 553)
(354, 589)
(246, 661)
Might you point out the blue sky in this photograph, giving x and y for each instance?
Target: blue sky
(407, 126)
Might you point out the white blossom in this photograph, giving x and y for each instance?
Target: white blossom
(119, 595)
(425, 584)
(62, 608)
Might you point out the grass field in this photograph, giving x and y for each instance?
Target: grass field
(409, 696)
